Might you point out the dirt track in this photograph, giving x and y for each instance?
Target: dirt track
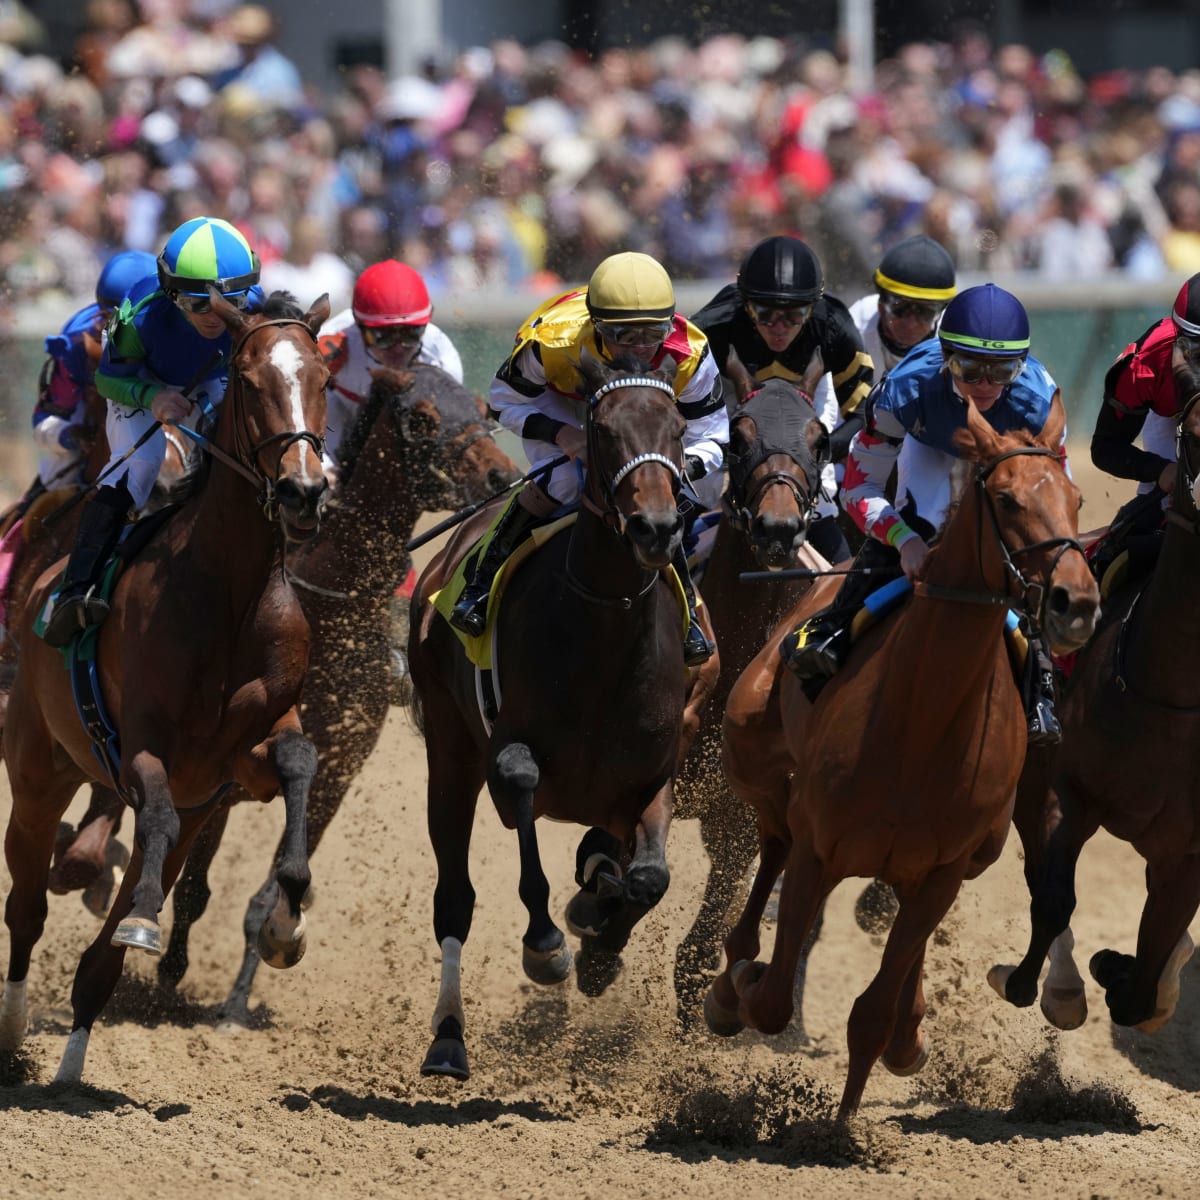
(571, 1096)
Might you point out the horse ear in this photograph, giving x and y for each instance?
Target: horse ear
(979, 442)
(818, 442)
(1052, 432)
(422, 421)
(593, 373)
(318, 313)
(735, 370)
(235, 319)
(389, 379)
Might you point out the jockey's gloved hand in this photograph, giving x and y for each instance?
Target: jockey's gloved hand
(68, 437)
(695, 466)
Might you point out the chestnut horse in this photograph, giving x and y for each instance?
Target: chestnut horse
(777, 446)
(592, 687)
(1127, 762)
(420, 444)
(904, 769)
(200, 663)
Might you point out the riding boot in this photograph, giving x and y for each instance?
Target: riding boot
(697, 648)
(823, 641)
(470, 613)
(1044, 729)
(100, 525)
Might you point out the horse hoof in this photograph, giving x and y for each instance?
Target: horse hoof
(447, 1056)
(280, 950)
(98, 895)
(997, 979)
(744, 974)
(718, 1018)
(1064, 1008)
(876, 907)
(1109, 968)
(547, 966)
(584, 915)
(913, 1067)
(1168, 986)
(137, 933)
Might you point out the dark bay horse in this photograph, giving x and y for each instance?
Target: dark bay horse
(201, 662)
(592, 687)
(777, 446)
(905, 767)
(420, 444)
(1131, 718)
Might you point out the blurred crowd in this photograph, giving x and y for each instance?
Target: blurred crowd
(513, 168)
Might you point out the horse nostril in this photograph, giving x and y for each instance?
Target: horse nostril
(1059, 602)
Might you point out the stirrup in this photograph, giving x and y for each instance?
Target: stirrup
(72, 615)
(697, 648)
(469, 615)
(818, 655)
(1043, 726)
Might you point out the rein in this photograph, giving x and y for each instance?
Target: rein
(1024, 600)
(246, 461)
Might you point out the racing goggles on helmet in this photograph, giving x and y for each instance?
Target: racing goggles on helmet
(901, 307)
(202, 304)
(793, 316)
(984, 370)
(634, 333)
(387, 337)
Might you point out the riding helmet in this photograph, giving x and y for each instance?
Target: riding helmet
(391, 293)
(207, 251)
(781, 271)
(986, 320)
(1186, 310)
(630, 287)
(918, 268)
(119, 275)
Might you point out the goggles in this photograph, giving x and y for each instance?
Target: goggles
(901, 307)
(634, 333)
(386, 337)
(767, 315)
(984, 370)
(201, 304)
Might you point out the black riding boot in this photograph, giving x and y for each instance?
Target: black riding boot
(470, 613)
(697, 648)
(1044, 729)
(100, 526)
(824, 639)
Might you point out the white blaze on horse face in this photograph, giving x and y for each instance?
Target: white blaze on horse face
(285, 358)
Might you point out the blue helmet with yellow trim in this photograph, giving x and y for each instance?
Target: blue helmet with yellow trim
(207, 251)
(985, 320)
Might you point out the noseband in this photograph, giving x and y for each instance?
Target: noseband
(244, 460)
(611, 513)
(1030, 597)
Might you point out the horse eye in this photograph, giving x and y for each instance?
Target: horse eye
(1008, 502)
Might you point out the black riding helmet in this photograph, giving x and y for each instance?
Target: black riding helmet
(919, 269)
(782, 272)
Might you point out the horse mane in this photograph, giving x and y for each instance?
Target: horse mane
(282, 305)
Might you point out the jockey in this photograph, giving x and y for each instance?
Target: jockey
(627, 308)
(388, 325)
(1142, 396)
(67, 381)
(164, 341)
(981, 354)
(782, 325)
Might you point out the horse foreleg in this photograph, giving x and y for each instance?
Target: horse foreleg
(100, 966)
(455, 776)
(1051, 904)
(730, 839)
(513, 780)
(192, 894)
(156, 831)
(281, 938)
(1144, 991)
(872, 1027)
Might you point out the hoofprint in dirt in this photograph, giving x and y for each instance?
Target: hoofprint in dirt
(596, 1097)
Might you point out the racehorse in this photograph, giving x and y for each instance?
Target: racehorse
(420, 444)
(592, 688)
(934, 685)
(200, 664)
(1130, 716)
(777, 446)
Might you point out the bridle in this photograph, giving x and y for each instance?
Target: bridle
(1184, 458)
(1030, 596)
(610, 513)
(245, 458)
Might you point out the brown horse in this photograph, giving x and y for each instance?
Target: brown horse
(1127, 763)
(904, 768)
(200, 664)
(592, 690)
(777, 446)
(420, 444)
